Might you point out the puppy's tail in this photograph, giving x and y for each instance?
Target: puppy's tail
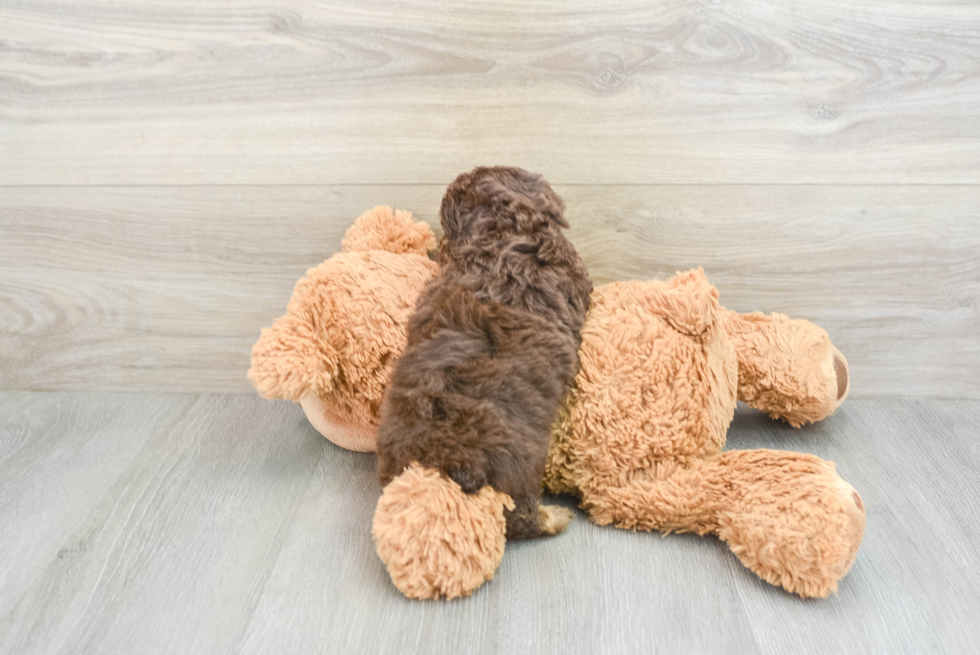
(436, 540)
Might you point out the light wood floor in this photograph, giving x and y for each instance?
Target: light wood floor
(223, 523)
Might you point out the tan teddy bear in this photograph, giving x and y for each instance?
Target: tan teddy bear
(639, 439)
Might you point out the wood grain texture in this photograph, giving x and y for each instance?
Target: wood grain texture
(224, 524)
(166, 288)
(138, 524)
(190, 92)
(56, 455)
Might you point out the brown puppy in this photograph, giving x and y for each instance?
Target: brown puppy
(492, 347)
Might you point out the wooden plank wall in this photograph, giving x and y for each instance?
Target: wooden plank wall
(169, 168)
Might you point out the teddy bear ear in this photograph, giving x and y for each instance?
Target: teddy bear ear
(687, 301)
(290, 361)
(383, 228)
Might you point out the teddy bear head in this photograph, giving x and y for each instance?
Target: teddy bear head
(344, 327)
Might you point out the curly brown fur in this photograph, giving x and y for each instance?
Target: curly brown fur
(492, 347)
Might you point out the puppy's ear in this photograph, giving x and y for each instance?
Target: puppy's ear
(533, 191)
(543, 198)
(551, 205)
(450, 214)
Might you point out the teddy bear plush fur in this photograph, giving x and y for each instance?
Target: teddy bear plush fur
(344, 327)
(639, 439)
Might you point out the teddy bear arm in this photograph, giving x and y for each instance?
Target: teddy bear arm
(787, 367)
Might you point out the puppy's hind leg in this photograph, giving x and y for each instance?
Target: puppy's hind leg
(530, 519)
(553, 518)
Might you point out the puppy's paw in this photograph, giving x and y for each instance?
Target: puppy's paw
(470, 481)
(553, 519)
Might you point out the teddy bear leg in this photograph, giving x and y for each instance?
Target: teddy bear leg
(678, 496)
(787, 367)
(789, 518)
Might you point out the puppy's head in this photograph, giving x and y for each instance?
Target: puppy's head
(499, 199)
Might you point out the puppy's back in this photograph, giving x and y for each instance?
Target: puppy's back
(493, 346)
